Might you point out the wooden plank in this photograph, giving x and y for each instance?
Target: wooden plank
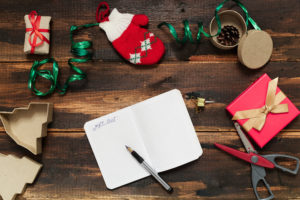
(110, 87)
(282, 26)
(70, 171)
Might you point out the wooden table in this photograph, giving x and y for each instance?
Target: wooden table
(70, 170)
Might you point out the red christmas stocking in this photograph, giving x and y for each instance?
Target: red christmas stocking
(135, 44)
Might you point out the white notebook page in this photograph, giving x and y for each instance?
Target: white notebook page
(167, 130)
(108, 142)
(159, 129)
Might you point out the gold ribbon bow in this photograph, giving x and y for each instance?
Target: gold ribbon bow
(257, 117)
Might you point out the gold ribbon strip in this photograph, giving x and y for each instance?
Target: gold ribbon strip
(257, 117)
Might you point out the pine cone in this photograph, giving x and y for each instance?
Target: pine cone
(229, 36)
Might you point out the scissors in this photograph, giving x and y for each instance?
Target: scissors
(258, 162)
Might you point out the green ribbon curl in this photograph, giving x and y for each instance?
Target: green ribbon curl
(187, 31)
(79, 49)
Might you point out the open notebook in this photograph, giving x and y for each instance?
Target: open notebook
(159, 129)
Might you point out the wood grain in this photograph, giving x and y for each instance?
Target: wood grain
(282, 26)
(110, 87)
(74, 174)
(70, 170)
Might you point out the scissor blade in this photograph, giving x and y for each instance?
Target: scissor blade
(248, 157)
(245, 140)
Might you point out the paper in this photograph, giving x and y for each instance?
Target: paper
(15, 173)
(43, 48)
(159, 129)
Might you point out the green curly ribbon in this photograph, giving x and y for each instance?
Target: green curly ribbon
(52, 77)
(187, 31)
(79, 49)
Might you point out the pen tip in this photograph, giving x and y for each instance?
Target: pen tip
(128, 148)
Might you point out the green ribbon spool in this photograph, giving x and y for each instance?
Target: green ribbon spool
(79, 49)
(187, 31)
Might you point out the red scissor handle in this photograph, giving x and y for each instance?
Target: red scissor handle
(248, 157)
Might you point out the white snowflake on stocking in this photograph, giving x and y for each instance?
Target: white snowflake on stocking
(135, 58)
(151, 35)
(145, 45)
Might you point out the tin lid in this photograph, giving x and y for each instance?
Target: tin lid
(255, 49)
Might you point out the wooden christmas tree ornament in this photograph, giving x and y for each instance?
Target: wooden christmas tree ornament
(255, 49)
(27, 126)
(15, 173)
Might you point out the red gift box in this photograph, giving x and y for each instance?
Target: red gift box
(254, 97)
